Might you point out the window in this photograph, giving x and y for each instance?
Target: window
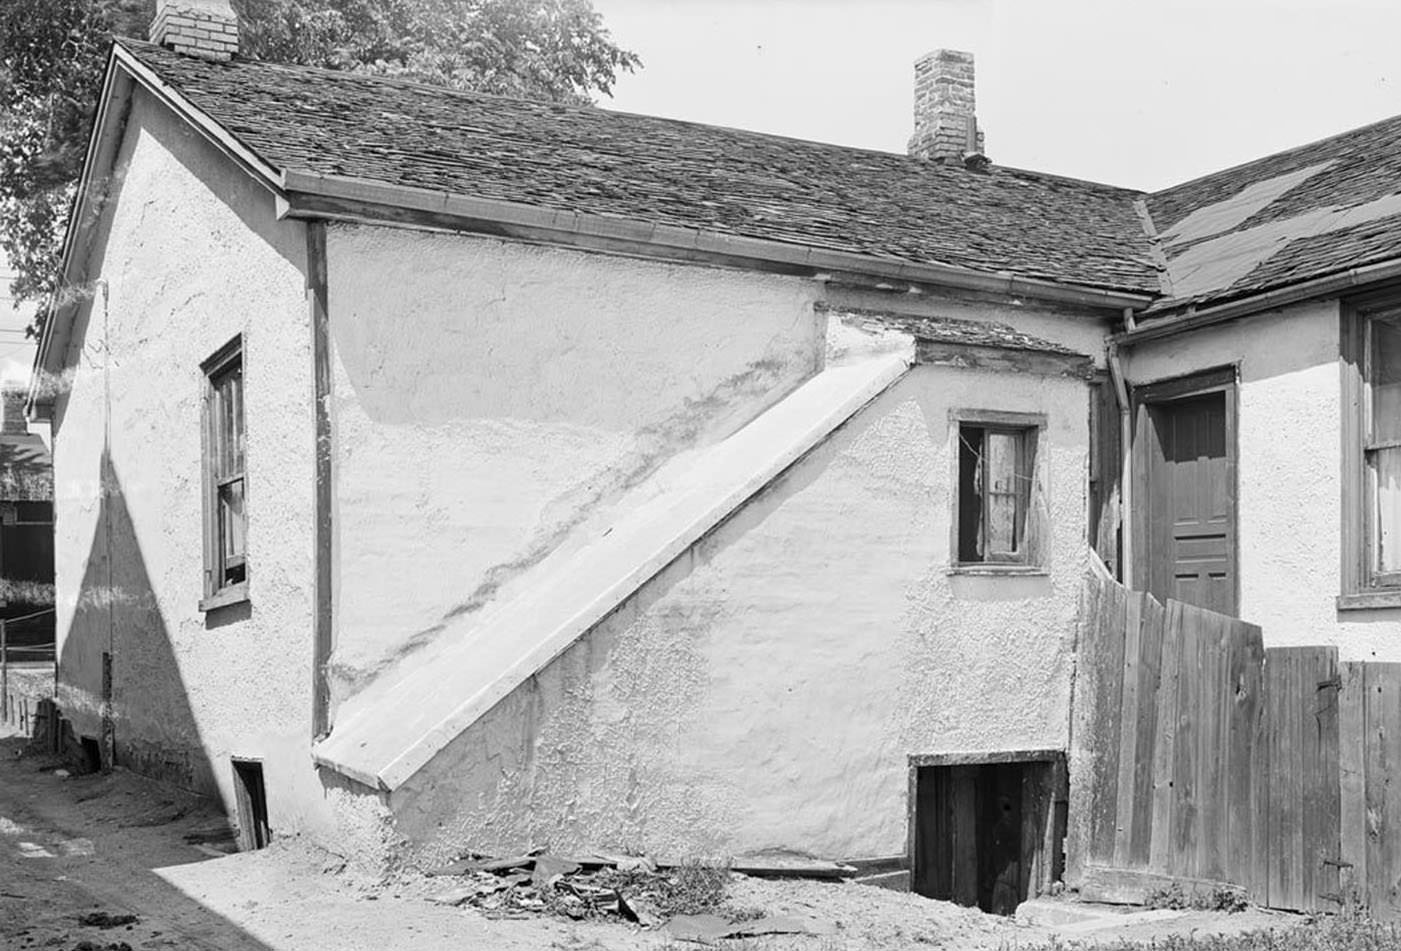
(1371, 544)
(225, 510)
(1381, 434)
(996, 498)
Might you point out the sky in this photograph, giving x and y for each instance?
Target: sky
(1138, 93)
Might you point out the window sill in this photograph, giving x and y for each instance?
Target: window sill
(233, 594)
(1365, 600)
(996, 569)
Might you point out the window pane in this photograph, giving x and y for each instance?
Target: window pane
(1386, 481)
(1386, 379)
(231, 530)
(970, 494)
(1003, 491)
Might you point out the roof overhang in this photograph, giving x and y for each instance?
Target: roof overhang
(317, 196)
(1190, 318)
(305, 195)
(124, 72)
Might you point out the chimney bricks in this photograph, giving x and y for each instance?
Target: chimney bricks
(203, 28)
(946, 123)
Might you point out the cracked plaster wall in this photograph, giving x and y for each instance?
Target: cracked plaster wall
(489, 396)
(765, 689)
(191, 255)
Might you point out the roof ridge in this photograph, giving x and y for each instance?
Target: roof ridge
(1276, 155)
(137, 46)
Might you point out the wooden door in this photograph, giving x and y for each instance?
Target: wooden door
(1190, 543)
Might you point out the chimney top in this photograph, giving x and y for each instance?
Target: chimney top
(12, 419)
(946, 123)
(204, 28)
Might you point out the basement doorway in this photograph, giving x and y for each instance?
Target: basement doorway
(252, 800)
(987, 830)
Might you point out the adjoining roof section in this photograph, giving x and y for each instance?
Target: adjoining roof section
(309, 123)
(1304, 214)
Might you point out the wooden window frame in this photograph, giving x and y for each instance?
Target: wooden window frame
(1030, 557)
(1362, 587)
(217, 594)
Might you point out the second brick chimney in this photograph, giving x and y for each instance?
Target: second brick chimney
(946, 123)
(204, 28)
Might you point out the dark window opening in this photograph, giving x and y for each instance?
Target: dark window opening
(251, 796)
(995, 475)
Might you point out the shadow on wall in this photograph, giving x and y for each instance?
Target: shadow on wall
(117, 648)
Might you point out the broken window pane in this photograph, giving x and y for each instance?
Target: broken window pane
(1386, 380)
(1386, 479)
(1003, 492)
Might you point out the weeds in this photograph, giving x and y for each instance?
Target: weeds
(1337, 933)
(693, 888)
(1217, 898)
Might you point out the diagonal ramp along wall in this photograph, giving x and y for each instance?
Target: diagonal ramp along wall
(389, 731)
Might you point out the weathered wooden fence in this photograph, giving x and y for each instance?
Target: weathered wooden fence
(1198, 755)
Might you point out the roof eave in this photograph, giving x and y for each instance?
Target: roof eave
(124, 72)
(1193, 318)
(319, 196)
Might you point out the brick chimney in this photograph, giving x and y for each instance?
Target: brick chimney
(946, 123)
(12, 399)
(204, 28)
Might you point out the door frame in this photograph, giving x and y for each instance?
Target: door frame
(1224, 379)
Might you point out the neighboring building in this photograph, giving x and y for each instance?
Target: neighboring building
(26, 534)
(480, 474)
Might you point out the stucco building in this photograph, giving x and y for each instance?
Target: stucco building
(470, 473)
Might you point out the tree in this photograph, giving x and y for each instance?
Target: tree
(52, 54)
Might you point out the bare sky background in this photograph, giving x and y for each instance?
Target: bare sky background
(1130, 92)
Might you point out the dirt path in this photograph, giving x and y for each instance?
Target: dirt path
(124, 848)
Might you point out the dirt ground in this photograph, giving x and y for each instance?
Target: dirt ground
(114, 862)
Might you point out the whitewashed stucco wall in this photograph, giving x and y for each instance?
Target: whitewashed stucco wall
(490, 395)
(765, 689)
(189, 255)
(1289, 473)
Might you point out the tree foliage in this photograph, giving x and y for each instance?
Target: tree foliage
(52, 54)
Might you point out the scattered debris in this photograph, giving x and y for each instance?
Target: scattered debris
(633, 888)
(94, 946)
(101, 919)
(713, 927)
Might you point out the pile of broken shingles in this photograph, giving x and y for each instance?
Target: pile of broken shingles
(520, 885)
(631, 888)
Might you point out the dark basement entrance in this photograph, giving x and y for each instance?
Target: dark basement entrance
(987, 829)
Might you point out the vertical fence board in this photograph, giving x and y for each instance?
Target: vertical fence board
(1261, 792)
(1151, 642)
(1128, 730)
(1165, 747)
(1383, 788)
(1108, 722)
(1212, 805)
(1352, 800)
(1185, 826)
(1319, 775)
(1244, 658)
